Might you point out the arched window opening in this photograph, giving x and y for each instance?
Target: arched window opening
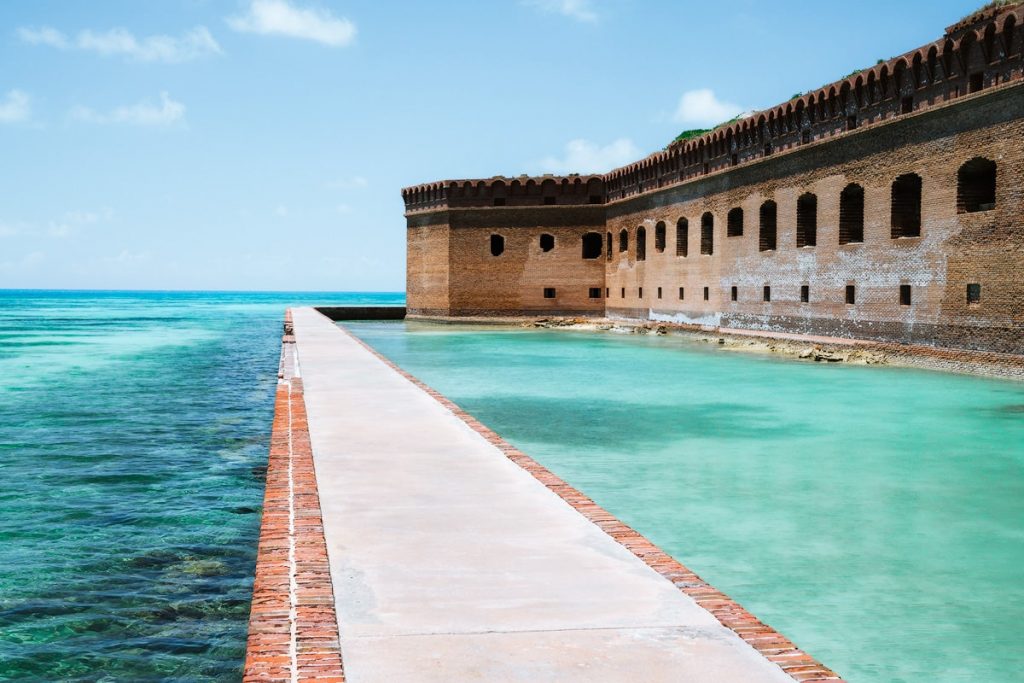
(592, 245)
(682, 237)
(707, 234)
(547, 242)
(497, 245)
(976, 186)
(641, 244)
(851, 214)
(659, 237)
(906, 206)
(623, 241)
(608, 247)
(734, 223)
(769, 232)
(807, 220)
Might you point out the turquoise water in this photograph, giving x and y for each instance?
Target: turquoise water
(874, 515)
(133, 447)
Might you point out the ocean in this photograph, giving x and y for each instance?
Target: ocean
(133, 448)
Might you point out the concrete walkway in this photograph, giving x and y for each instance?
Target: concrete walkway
(451, 563)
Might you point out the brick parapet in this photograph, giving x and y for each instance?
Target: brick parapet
(982, 51)
(767, 641)
(293, 627)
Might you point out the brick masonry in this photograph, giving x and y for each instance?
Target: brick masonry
(770, 643)
(927, 112)
(293, 628)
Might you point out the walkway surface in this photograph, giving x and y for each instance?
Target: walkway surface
(452, 563)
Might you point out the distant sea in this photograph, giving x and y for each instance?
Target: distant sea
(133, 442)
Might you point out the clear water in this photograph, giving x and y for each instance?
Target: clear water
(874, 515)
(133, 443)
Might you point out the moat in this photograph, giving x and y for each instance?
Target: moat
(871, 514)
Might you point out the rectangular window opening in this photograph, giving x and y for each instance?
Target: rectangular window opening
(767, 293)
(904, 295)
(623, 295)
(549, 292)
(734, 293)
(974, 293)
(682, 293)
(640, 293)
(907, 105)
(851, 122)
(805, 293)
(976, 82)
(659, 292)
(499, 201)
(707, 293)
(595, 292)
(851, 295)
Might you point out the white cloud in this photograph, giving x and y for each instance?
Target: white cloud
(192, 44)
(166, 113)
(580, 10)
(702, 108)
(9, 230)
(27, 262)
(15, 107)
(70, 223)
(73, 221)
(278, 17)
(128, 257)
(355, 182)
(584, 156)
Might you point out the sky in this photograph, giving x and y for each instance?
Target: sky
(263, 144)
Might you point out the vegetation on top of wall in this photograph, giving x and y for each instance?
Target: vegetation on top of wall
(692, 133)
(994, 4)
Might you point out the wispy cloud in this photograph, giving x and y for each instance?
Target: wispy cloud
(703, 108)
(193, 44)
(72, 222)
(24, 263)
(584, 156)
(578, 10)
(278, 17)
(166, 112)
(15, 107)
(356, 182)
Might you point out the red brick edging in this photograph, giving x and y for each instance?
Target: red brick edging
(293, 628)
(770, 643)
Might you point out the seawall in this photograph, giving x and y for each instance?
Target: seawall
(433, 550)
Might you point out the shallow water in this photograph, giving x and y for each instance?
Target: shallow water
(874, 515)
(133, 447)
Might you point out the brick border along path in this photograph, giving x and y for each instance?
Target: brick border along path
(293, 631)
(773, 645)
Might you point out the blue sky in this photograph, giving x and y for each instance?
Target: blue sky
(262, 144)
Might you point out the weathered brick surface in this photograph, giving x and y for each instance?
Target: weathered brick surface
(293, 628)
(926, 112)
(763, 638)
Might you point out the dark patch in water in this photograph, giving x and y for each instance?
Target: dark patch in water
(244, 510)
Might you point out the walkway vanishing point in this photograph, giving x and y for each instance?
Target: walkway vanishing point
(403, 541)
